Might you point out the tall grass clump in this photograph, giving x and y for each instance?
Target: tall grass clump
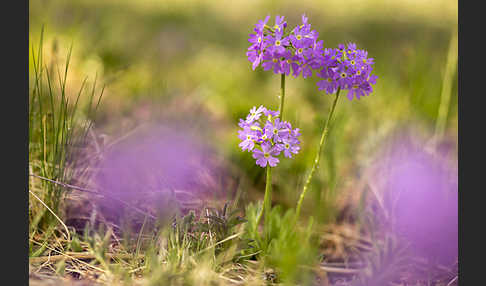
(57, 136)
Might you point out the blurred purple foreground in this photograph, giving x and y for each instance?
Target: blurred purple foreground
(158, 171)
(420, 194)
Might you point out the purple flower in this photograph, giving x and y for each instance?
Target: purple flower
(346, 68)
(352, 46)
(268, 142)
(289, 146)
(372, 79)
(248, 136)
(359, 88)
(296, 66)
(255, 58)
(271, 113)
(295, 132)
(243, 123)
(285, 130)
(256, 40)
(330, 58)
(300, 38)
(265, 155)
(304, 21)
(271, 60)
(286, 62)
(255, 113)
(316, 51)
(298, 53)
(306, 70)
(329, 84)
(261, 24)
(278, 43)
(274, 130)
(280, 24)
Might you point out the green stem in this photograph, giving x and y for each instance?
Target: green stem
(282, 97)
(318, 156)
(267, 199)
(268, 187)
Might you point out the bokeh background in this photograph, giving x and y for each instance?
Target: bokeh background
(184, 61)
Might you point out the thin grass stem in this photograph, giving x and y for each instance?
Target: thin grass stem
(68, 236)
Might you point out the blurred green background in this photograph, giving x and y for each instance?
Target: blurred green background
(185, 60)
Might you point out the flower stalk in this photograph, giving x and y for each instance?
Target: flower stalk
(267, 199)
(318, 155)
(282, 97)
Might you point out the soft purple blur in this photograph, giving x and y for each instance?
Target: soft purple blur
(153, 170)
(419, 188)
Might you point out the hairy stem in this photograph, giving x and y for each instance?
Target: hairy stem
(318, 156)
(268, 186)
(267, 199)
(282, 97)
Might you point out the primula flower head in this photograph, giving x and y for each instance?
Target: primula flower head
(347, 68)
(269, 141)
(275, 49)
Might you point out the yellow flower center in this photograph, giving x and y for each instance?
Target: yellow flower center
(277, 43)
(266, 155)
(353, 62)
(364, 61)
(275, 131)
(299, 37)
(275, 60)
(300, 50)
(343, 75)
(289, 61)
(287, 146)
(264, 137)
(259, 39)
(248, 137)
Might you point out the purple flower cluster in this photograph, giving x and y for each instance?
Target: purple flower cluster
(275, 49)
(264, 134)
(347, 68)
(300, 52)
